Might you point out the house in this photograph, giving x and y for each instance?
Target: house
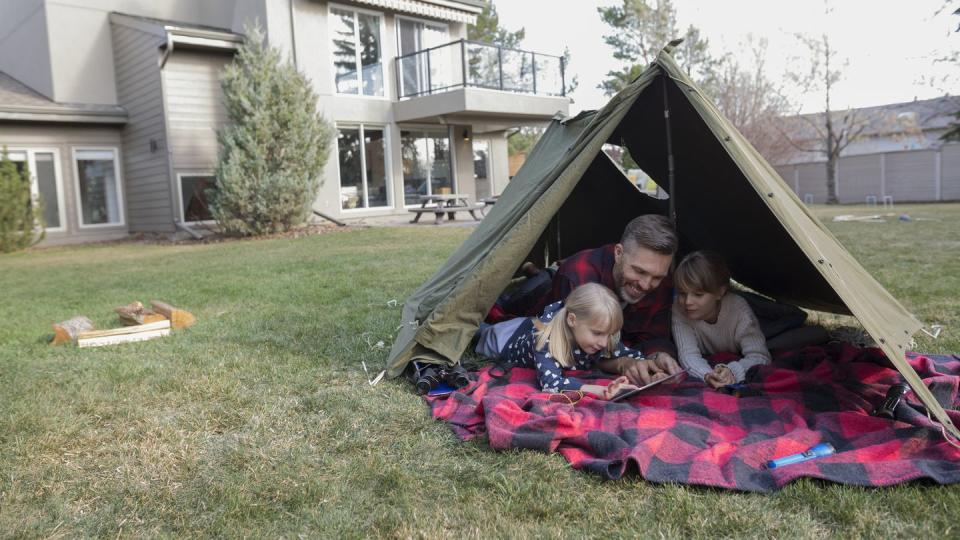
(113, 105)
(897, 154)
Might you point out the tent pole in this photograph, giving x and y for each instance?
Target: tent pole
(670, 171)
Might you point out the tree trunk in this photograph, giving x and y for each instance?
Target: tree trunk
(832, 179)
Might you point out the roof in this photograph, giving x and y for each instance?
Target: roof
(894, 118)
(465, 11)
(19, 102)
(182, 33)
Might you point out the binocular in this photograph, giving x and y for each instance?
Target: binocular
(431, 377)
(888, 408)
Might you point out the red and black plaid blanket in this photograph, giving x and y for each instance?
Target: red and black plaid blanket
(690, 434)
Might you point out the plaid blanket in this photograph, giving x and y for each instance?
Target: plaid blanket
(689, 434)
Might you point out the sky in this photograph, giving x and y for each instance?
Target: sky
(888, 47)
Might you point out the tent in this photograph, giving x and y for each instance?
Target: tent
(723, 195)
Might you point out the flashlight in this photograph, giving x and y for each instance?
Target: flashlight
(820, 450)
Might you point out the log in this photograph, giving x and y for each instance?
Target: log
(135, 313)
(178, 317)
(67, 331)
(127, 334)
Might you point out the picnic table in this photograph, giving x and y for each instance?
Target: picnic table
(444, 204)
(487, 203)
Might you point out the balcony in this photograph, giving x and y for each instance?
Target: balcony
(473, 81)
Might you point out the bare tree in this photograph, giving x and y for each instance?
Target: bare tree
(752, 102)
(833, 130)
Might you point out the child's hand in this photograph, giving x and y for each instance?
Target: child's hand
(719, 377)
(620, 384)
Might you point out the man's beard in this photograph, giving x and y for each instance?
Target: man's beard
(626, 297)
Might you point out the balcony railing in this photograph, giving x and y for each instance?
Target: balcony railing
(482, 65)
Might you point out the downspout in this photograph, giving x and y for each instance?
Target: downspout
(293, 36)
(183, 226)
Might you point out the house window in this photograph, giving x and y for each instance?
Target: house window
(194, 196)
(98, 187)
(362, 152)
(44, 182)
(427, 164)
(357, 52)
(418, 73)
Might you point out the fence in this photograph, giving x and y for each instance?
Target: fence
(908, 176)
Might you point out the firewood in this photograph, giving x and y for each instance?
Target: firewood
(127, 334)
(178, 317)
(66, 331)
(135, 313)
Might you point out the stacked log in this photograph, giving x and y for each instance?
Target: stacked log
(135, 313)
(67, 331)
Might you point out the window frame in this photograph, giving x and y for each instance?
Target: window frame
(30, 155)
(356, 29)
(363, 167)
(396, 27)
(426, 128)
(183, 211)
(118, 179)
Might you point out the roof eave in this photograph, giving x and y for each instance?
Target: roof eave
(36, 114)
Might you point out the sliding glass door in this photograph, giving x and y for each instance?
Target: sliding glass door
(427, 164)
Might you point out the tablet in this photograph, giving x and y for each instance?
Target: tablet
(630, 393)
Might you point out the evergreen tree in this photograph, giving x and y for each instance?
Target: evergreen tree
(640, 30)
(274, 147)
(487, 29)
(21, 223)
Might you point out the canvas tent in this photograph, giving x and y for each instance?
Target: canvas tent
(568, 196)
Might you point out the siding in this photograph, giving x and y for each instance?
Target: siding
(194, 104)
(813, 181)
(950, 172)
(146, 168)
(64, 139)
(858, 177)
(910, 175)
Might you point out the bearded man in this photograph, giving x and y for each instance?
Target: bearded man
(637, 270)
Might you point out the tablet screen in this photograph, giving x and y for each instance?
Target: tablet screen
(624, 395)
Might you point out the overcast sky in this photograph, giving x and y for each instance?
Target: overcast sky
(889, 44)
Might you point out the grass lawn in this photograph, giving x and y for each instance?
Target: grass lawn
(258, 420)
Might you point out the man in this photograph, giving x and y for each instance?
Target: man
(636, 269)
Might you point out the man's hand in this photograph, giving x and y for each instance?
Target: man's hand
(656, 367)
(616, 386)
(719, 377)
(666, 363)
(642, 372)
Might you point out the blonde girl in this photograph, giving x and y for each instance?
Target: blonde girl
(708, 319)
(579, 333)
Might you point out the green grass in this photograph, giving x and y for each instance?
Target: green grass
(258, 422)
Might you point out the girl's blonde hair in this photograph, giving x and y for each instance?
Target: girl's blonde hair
(702, 271)
(590, 302)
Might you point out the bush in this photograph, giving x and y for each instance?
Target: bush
(274, 147)
(21, 222)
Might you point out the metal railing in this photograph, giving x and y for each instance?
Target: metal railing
(477, 64)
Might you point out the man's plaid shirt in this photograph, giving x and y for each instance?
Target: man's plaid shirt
(646, 324)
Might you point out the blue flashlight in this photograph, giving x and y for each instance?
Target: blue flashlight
(820, 450)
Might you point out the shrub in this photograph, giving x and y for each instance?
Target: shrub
(21, 222)
(273, 148)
